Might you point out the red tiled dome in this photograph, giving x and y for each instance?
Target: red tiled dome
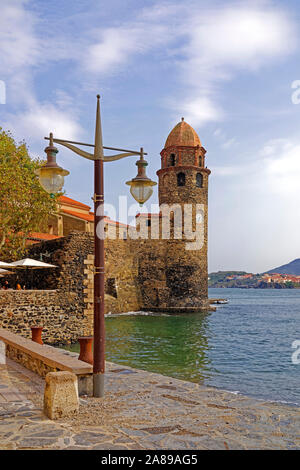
(183, 135)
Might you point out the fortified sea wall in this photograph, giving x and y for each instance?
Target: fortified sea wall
(61, 303)
(138, 275)
(54, 310)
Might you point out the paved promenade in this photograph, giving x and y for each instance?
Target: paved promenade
(142, 410)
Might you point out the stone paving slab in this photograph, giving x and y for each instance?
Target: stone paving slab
(143, 410)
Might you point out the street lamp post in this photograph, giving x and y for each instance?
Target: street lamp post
(51, 177)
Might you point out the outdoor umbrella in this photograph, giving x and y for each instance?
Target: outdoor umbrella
(5, 265)
(28, 263)
(31, 263)
(4, 271)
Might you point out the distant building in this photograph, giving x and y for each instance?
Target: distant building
(74, 215)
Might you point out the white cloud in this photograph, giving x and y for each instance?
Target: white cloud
(274, 171)
(18, 45)
(115, 47)
(229, 143)
(198, 110)
(228, 170)
(240, 36)
(40, 119)
(112, 49)
(282, 170)
(218, 132)
(22, 51)
(207, 46)
(220, 42)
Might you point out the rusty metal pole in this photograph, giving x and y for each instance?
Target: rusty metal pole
(99, 325)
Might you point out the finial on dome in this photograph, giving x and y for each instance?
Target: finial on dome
(182, 118)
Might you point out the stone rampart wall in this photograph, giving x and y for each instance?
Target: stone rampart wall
(54, 310)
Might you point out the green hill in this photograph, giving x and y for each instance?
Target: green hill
(221, 276)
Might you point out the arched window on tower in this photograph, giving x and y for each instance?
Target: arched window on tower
(199, 180)
(200, 160)
(181, 179)
(172, 159)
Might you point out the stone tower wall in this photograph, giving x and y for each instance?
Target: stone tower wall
(185, 275)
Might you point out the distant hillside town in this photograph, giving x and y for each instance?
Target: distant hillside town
(283, 277)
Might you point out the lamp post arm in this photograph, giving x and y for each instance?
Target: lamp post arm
(82, 153)
(119, 156)
(59, 141)
(90, 156)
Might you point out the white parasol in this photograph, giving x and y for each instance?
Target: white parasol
(28, 263)
(31, 263)
(5, 265)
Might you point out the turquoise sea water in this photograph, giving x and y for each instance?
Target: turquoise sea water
(245, 346)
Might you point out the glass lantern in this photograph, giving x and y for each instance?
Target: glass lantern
(141, 187)
(51, 179)
(51, 176)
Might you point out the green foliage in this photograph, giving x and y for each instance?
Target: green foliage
(221, 276)
(24, 205)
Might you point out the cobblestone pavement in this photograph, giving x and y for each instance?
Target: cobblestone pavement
(142, 410)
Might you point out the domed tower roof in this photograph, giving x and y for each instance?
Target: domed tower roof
(182, 135)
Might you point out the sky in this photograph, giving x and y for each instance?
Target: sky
(230, 68)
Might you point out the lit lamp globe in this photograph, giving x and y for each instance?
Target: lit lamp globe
(51, 176)
(141, 187)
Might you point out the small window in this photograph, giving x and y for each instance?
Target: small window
(181, 179)
(199, 180)
(172, 159)
(148, 223)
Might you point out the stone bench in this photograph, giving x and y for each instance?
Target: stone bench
(42, 359)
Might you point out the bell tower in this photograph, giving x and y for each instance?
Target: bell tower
(183, 181)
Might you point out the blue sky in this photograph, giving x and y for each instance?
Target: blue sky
(226, 66)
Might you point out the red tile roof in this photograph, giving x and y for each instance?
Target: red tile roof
(89, 217)
(182, 135)
(72, 202)
(42, 236)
